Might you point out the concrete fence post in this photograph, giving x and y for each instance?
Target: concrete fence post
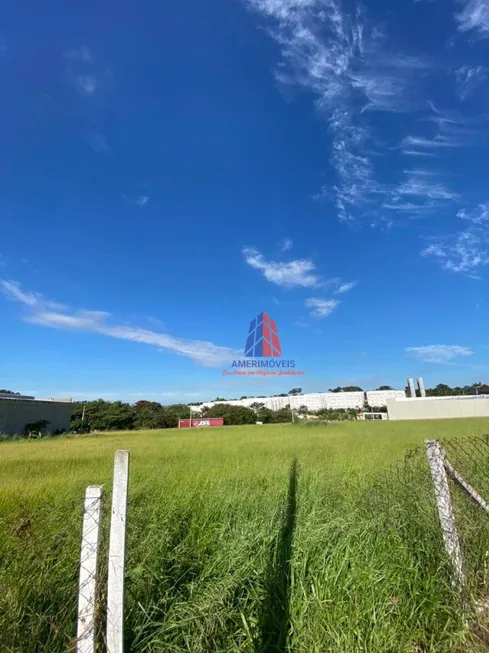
(117, 546)
(436, 460)
(87, 592)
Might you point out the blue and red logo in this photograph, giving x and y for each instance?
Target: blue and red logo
(262, 347)
(263, 340)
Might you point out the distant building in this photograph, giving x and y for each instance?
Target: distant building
(378, 398)
(373, 416)
(319, 400)
(17, 411)
(460, 406)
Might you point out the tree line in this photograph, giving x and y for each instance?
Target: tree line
(101, 415)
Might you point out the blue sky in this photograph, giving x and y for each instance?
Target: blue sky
(170, 170)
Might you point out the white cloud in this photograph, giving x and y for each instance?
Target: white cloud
(409, 151)
(468, 79)
(419, 193)
(140, 200)
(474, 16)
(480, 215)
(86, 84)
(52, 314)
(321, 307)
(288, 274)
(465, 252)
(346, 64)
(14, 290)
(439, 353)
(346, 287)
(452, 131)
(286, 244)
(353, 168)
(82, 53)
(87, 76)
(418, 187)
(428, 143)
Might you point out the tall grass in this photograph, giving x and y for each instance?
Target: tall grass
(272, 538)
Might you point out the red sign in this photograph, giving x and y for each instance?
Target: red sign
(200, 422)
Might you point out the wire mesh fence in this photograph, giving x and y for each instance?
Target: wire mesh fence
(445, 526)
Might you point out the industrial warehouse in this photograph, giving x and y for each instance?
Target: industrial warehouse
(23, 414)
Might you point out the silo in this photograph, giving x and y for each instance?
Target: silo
(422, 391)
(412, 391)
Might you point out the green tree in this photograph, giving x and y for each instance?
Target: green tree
(282, 415)
(295, 391)
(385, 387)
(149, 415)
(232, 414)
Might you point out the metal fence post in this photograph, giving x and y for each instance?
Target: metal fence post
(117, 546)
(436, 460)
(87, 592)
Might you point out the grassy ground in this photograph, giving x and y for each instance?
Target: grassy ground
(272, 538)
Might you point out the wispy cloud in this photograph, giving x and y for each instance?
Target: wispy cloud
(465, 252)
(420, 193)
(83, 54)
(98, 143)
(51, 314)
(451, 131)
(288, 274)
(14, 290)
(474, 15)
(347, 65)
(420, 187)
(321, 307)
(140, 200)
(439, 353)
(468, 79)
(84, 73)
(286, 244)
(86, 84)
(345, 287)
(479, 215)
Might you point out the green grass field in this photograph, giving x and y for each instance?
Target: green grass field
(259, 538)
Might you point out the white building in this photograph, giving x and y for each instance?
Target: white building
(438, 407)
(318, 400)
(344, 400)
(377, 398)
